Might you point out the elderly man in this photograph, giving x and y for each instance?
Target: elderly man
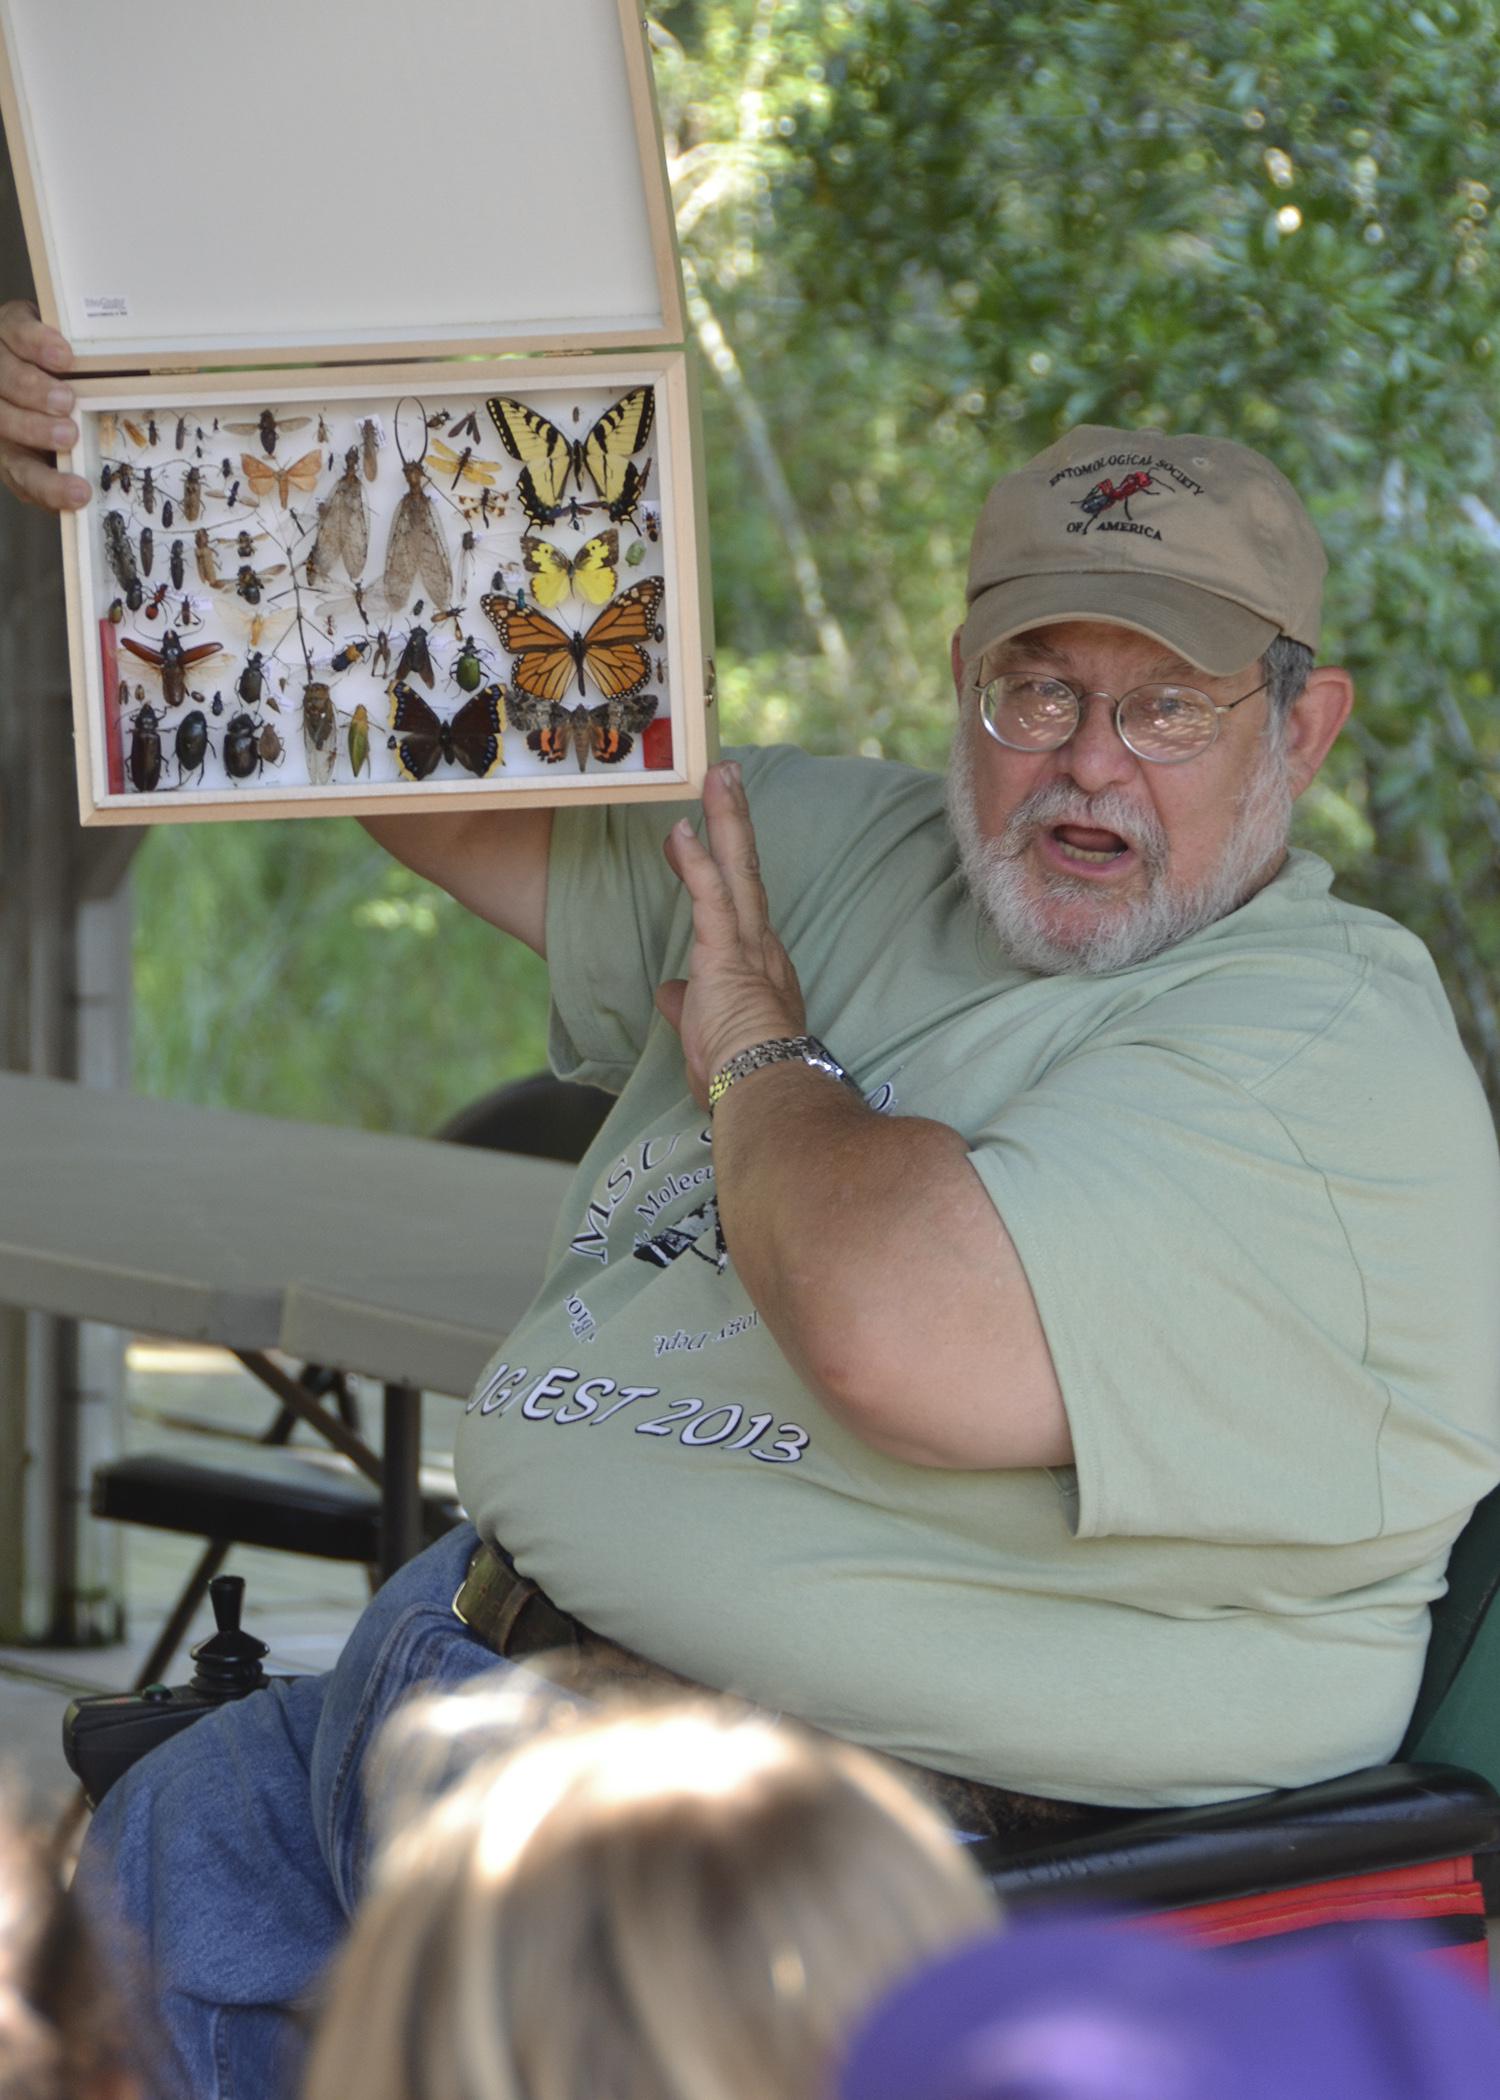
(1032, 1306)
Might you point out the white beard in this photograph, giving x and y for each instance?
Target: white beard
(1125, 932)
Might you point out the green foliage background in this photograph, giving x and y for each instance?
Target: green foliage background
(921, 238)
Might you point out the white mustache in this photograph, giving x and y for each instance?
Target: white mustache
(1061, 804)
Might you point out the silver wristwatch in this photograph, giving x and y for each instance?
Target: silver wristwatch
(806, 1049)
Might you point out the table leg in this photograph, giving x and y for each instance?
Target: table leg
(401, 1494)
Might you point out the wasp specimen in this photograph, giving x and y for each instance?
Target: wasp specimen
(344, 525)
(249, 583)
(268, 428)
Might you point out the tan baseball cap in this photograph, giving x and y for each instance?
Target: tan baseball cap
(1196, 541)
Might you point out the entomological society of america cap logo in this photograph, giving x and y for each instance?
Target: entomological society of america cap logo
(1109, 504)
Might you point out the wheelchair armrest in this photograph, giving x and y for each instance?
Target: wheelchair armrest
(1386, 1816)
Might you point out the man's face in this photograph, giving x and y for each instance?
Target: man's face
(1089, 858)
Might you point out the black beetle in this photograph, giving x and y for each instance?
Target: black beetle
(251, 683)
(145, 751)
(191, 745)
(242, 747)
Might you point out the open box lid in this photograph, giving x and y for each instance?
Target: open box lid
(318, 181)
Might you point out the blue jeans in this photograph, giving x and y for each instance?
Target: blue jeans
(233, 1855)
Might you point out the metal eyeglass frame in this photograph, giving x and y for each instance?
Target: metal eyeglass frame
(1219, 707)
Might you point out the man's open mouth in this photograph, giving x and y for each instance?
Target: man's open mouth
(1086, 842)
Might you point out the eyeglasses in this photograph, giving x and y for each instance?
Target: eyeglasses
(1163, 724)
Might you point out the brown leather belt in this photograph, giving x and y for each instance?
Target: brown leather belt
(516, 1619)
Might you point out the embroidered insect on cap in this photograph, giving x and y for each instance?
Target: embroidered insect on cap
(1196, 541)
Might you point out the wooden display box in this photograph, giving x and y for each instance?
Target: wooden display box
(382, 389)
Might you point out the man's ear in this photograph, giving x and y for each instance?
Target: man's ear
(957, 662)
(1318, 714)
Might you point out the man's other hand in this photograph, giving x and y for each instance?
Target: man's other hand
(36, 405)
(740, 987)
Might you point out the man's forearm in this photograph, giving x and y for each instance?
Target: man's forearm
(875, 1256)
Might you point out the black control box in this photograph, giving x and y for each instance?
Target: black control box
(105, 1734)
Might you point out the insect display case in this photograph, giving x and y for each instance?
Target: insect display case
(384, 399)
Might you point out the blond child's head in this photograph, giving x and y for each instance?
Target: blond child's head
(680, 1902)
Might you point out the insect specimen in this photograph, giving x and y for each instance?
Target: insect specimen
(468, 666)
(466, 427)
(415, 547)
(249, 582)
(349, 654)
(148, 549)
(176, 565)
(191, 745)
(263, 475)
(251, 683)
(550, 459)
(635, 554)
(242, 747)
(359, 740)
(610, 652)
(205, 557)
(606, 733)
(269, 745)
(171, 661)
(182, 430)
(591, 573)
(415, 660)
(168, 514)
(134, 432)
(369, 447)
(145, 751)
(121, 557)
(319, 732)
(148, 492)
(192, 495)
(463, 466)
(344, 525)
(109, 430)
(268, 429)
(423, 740)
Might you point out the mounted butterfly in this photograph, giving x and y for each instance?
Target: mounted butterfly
(550, 459)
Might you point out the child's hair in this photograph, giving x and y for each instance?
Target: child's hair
(684, 1902)
(60, 2032)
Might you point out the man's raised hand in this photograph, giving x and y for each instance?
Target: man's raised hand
(740, 987)
(36, 404)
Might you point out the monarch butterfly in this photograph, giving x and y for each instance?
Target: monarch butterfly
(610, 652)
(606, 733)
(264, 475)
(591, 573)
(472, 739)
(550, 459)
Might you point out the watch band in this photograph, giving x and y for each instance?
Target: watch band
(805, 1049)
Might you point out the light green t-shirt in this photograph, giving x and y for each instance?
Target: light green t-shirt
(1255, 1189)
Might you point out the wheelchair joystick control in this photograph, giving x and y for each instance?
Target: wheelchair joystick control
(105, 1734)
(229, 1660)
